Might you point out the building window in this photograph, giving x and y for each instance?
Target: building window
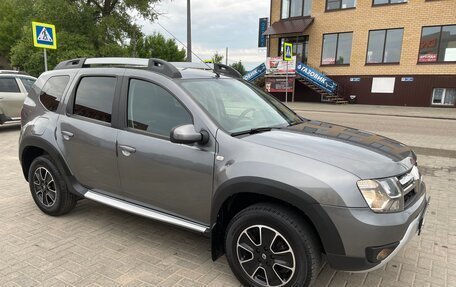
(438, 44)
(444, 96)
(384, 46)
(300, 47)
(339, 4)
(295, 8)
(337, 49)
(387, 2)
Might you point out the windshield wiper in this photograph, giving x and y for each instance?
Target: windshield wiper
(253, 131)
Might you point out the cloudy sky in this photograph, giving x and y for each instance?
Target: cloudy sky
(216, 24)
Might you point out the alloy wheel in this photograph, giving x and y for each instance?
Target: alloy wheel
(44, 186)
(266, 256)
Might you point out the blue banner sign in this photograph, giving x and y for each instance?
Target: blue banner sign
(407, 79)
(262, 28)
(316, 77)
(255, 73)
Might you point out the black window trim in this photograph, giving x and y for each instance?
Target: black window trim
(72, 99)
(388, 4)
(337, 47)
(438, 47)
(384, 46)
(123, 107)
(340, 7)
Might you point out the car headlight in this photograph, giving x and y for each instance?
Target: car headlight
(382, 195)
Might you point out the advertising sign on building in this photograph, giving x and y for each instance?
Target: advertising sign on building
(276, 65)
(316, 77)
(278, 85)
(428, 58)
(255, 73)
(262, 28)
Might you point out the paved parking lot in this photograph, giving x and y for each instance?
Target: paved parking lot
(99, 246)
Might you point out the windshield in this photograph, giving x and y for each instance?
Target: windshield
(237, 106)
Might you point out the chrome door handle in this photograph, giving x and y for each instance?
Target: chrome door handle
(127, 150)
(67, 135)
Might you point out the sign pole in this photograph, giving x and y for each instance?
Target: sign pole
(45, 60)
(286, 86)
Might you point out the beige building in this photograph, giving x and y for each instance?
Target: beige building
(393, 52)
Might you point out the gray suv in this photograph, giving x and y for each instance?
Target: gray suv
(206, 151)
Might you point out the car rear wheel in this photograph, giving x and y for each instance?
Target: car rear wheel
(48, 188)
(269, 245)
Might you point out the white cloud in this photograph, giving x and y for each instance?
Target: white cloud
(216, 24)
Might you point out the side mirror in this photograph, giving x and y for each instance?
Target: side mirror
(187, 134)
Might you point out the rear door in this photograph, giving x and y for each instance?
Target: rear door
(86, 134)
(155, 172)
(11, 98)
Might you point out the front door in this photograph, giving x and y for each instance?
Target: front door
(86, 137)
(174, 178)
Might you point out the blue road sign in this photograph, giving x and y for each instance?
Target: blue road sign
(255, 73)
(44, 35)
(316, 77)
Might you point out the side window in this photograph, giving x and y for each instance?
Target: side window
(94, 98)
(52, 92)
(153, 109)
(9, 85)
(28, 83)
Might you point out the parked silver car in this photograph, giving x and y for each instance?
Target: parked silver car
(14, 86)
(209, 152)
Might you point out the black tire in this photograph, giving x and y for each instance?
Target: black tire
(63, 200)
(304, 251)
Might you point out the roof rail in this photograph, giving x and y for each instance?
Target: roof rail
(13, 72)
(226, 70)
(154, 65)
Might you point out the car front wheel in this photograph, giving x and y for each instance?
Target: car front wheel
(270, 245)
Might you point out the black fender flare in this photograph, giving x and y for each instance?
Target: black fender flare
(327, 231)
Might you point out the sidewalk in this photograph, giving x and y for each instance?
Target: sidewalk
(418, 112)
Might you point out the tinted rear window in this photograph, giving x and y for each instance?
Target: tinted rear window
(94, 98)
(8, 85)
(53, 91)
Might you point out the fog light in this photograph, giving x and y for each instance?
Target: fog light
(379, 253)
(384, 253)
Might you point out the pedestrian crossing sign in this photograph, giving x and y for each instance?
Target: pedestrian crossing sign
(44, 35)
(287, 51)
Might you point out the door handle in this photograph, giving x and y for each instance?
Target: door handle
(127, 150)
(67, 135)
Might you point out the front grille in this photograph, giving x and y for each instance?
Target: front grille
(409, 184)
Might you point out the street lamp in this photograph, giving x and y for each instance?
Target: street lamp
(189, 33)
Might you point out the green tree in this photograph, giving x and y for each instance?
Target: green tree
(156, 46)
(84, 28)
(238, 66)
(217, 58)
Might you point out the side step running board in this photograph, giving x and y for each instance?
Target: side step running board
(146, 212)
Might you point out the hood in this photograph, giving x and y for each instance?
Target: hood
(361, 153)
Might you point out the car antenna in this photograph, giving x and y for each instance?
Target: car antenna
(185, 46)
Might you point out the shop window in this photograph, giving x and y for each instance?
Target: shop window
(337, 49)
(300, 47)
(295, 8)
(387, 2)
(384, 46)
(438, 44)
(444, 96)
(332, 5)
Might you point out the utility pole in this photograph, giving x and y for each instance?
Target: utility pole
(189, 33)
(226, 56)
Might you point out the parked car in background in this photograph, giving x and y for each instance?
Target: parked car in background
(14, 86)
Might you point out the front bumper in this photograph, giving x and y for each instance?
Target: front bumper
(361, 229)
